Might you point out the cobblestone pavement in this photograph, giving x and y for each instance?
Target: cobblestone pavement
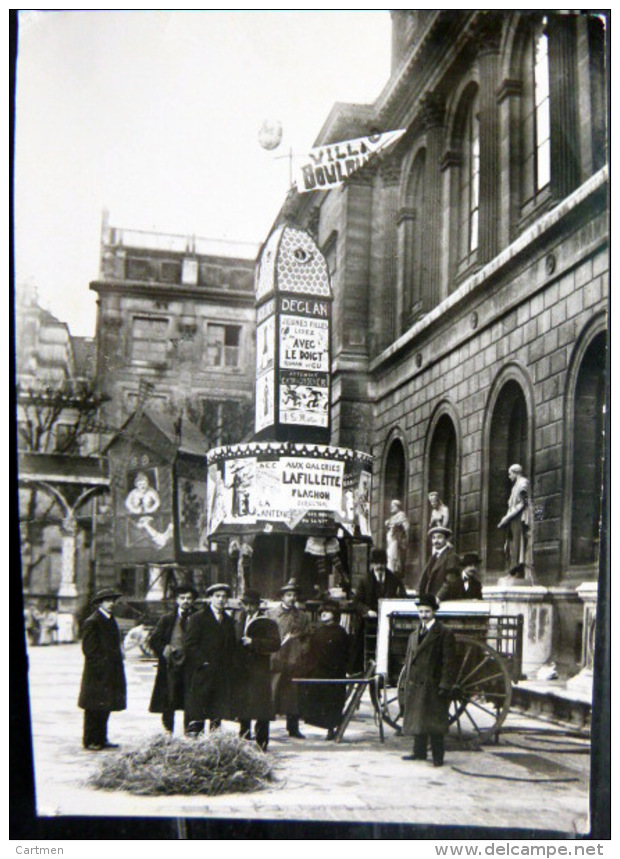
(535, 778)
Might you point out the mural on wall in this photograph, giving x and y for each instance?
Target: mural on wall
(143, 510)
(190, 478)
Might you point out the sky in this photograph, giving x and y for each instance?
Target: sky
(154, 116)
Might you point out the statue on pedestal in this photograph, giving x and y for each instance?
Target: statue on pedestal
(518, 523)
(397, 538)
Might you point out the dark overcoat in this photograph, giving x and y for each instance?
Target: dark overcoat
(442, 576)
(370, 591)
(288, 662)
(103, 679)
(430, 666)
(328, 657)
(474, 591)
(253, 693)
(211, 653)
(171, 682)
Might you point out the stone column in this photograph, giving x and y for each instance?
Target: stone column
(561, 30)
(488, 33)
(392, 308)
(508, 106)
(536, 606)
(581, 683)
(69, 557)
(433, 116)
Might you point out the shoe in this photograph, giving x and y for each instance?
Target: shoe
(331, 734)
(94, 747)
(296, 735)
(108, 745)
(437, 763)
(413, 758)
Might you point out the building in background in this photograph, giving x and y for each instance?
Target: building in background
(175, 334)
(470, 270)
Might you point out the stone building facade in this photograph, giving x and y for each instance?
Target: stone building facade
(175, 333)
(470, 269)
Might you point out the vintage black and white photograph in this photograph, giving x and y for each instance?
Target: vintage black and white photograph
(310, 315)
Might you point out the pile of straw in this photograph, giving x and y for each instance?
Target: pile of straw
(211, 765)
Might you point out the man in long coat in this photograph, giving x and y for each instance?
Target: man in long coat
(211, 654)
(167, 641)
(103, 688)
(328, 657)
(429, 675)
(294, 628)
(441, 576)
(259, 637)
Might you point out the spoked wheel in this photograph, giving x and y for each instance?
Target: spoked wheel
(482, 694)
(388, 700)
(483, 691)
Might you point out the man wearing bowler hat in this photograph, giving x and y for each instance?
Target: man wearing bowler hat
(294, 627)
(442, 574)
(167, 641)
(429, 675)
(103, 688)
(211, 654)
(472, 586)
(259, 637)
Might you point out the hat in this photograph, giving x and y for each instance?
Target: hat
(291, 585)
(185, 589)
(378, 556)
(439, 529)
(429, 600)
(220, 586)
(330, 605)
(251, 596)
(106, 594)
(470, 559)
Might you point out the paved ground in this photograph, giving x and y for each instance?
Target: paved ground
(536, 777)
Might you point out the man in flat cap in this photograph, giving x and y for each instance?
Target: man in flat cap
(442, 574)
(259, 637)
(429, 675)
(211, 654)
(294, 627)
(472, 586)
(167, 641)
(103, 688)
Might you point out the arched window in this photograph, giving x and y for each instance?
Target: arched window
(469, 186)
(394, 477)
(442, 470)
(509, 444)
(535, 113)
(588, 449)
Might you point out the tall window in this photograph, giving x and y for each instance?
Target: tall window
(535, 120)
(149, 340)
(223, 343)
(469, 186)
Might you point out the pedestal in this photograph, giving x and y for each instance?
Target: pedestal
(67, 627)
(582, 683)
(534, 603)
(155, 592)
(69, 552)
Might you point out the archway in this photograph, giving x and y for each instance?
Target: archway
(588, 451)
(442, 470)
(394, 478)
(509, 442)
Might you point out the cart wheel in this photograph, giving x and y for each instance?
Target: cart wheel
(483, 691)
(388, 700)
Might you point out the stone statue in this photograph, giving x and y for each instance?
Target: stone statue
(397, 538)
(518, 523)
(440, 516)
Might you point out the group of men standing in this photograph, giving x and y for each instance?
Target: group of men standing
(213, 667)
